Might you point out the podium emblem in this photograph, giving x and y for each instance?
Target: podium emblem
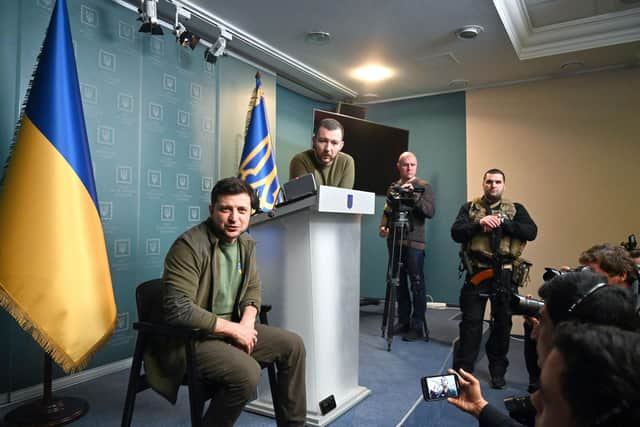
(350, 201)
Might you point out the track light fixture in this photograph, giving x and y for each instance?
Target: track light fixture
(149, 17)
(217, 47)
(183, 36)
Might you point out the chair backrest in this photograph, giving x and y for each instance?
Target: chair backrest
(149, 299)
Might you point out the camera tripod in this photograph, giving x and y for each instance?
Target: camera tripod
(399, 227)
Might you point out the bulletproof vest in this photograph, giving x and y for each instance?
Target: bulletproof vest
(508, 246)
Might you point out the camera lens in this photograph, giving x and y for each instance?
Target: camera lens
(525, 306)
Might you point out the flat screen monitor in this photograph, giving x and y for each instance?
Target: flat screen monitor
(374, 147)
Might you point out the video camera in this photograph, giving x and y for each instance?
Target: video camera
(401, 200)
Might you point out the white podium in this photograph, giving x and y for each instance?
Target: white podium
(309, 262)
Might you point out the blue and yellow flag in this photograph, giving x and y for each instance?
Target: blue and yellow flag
(54, 271)
(258, 164)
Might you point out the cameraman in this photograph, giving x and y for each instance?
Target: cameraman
(493, 233)
(417, 198)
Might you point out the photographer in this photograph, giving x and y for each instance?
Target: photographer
(579, 297)
(616, 264)
(589, 378)
(493, 233)
(409, 197)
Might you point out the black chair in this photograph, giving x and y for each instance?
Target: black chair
(148, 298)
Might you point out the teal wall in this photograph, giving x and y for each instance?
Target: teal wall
(152, 111)
(295, 126)
(164, 125)
(437, 135)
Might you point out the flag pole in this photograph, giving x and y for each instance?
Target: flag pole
(48, 411)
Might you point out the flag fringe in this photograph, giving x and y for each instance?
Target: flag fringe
(57, 354)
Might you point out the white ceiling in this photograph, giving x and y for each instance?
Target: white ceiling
(523, 40)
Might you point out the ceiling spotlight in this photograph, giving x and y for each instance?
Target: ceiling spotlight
(183, 36)
(469, 32)
(149, 17)
(458, 83)
(372, 73)
(217, 48)
(572, 66)
(318, 37)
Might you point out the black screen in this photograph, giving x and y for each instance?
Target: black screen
(374, 147)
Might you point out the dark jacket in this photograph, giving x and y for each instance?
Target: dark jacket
(492, 417)
(521, 226)
(423, 208)
(189, 290)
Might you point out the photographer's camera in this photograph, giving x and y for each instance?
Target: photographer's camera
(525, 306)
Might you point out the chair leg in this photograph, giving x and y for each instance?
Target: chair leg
(132, 388)
(273, 378)
(196, 402)
(273, 385)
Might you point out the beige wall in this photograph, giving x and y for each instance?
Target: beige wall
(570, 149)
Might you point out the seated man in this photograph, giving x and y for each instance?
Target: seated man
(325, 160)
(582, 297)
(211, 282)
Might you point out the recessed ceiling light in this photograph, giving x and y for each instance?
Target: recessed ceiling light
(469, 32)
(317, 37)
(572, 66)
(458, 83)
(372, 73)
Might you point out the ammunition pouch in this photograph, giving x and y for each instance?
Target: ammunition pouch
(520, 274)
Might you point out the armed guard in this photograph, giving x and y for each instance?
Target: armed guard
(493, 232)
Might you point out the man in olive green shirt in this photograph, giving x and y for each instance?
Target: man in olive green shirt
(325, 160)
(211, 282)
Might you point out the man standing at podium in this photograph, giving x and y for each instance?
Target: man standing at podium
(325, 160)
(413, 196)
(211, 282)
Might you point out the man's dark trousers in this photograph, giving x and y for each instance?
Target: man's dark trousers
(473, 300)
(412, 301)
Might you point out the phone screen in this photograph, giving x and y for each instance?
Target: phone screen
(438, 387)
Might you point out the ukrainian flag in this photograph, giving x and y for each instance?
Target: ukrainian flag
(54, 271)
(258, 165)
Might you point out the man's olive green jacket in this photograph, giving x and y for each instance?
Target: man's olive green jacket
(189, 289)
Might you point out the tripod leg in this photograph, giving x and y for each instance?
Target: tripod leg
(391, 314)
(385, 315)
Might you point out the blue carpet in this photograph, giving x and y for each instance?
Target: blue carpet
(393, 378)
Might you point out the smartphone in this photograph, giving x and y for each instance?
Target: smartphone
(438, 387)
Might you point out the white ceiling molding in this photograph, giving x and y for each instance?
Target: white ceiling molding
(564, 37)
